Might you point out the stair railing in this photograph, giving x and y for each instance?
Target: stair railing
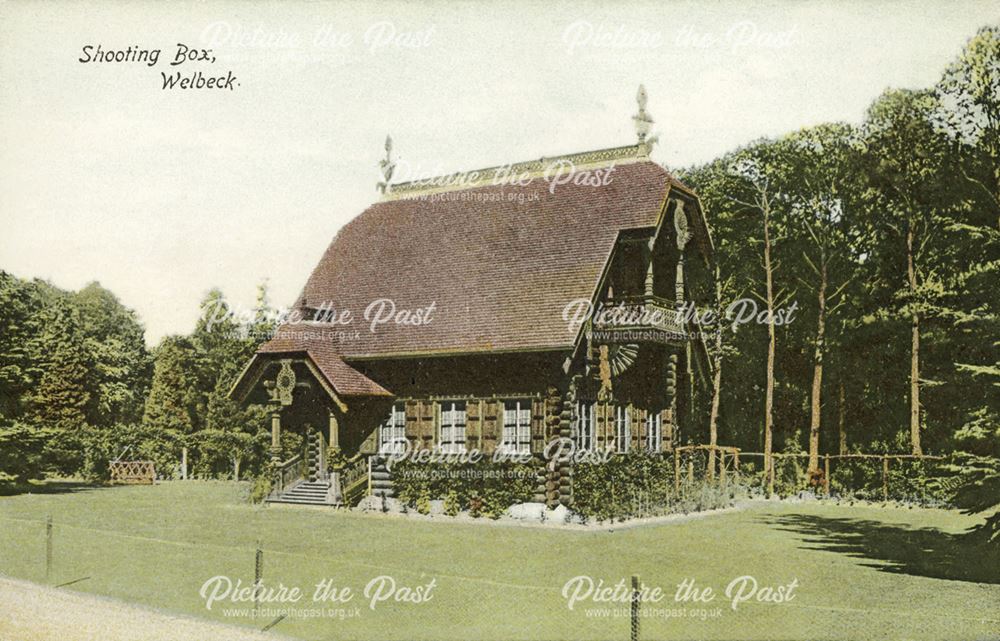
(288, 472)
(356, 479)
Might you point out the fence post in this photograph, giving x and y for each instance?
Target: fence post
(885, 478)
(258, 576)
(677, 470)
(691, 470)
(722, 468)
(635, 608)
(48, 548)
(184, 463)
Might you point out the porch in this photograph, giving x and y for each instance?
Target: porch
(321, 438)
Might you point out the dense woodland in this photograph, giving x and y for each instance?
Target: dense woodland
(884, 234)
(78, 387)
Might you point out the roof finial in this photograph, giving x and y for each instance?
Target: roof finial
(643, 121)
(387, 166)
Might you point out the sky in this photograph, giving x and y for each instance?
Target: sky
(161, 194)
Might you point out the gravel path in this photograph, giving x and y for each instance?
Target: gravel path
(31, 612)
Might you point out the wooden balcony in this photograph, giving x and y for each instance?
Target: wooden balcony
(638, 319)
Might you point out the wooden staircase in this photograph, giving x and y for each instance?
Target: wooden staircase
(302, 480)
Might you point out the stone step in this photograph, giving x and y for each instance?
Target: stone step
(308, 488)
(298, 501)
(305, 491)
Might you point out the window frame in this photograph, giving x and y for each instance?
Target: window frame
(455, 429)
(623, 429)
(520, 428)
(654, 425)
(392, 431)
(584, 440)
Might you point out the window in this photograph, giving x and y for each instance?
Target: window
(453, 426)
(623, 429)
(516, 426)
(654, 431)
(583, 426)
(392, 432)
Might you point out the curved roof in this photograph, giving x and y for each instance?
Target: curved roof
(478, 268)
(498, 263)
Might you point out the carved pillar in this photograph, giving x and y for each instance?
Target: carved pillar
(683, 236)
(275, 433)
(334, 492)
(334, 431)
(280, 391)
(679, 283)
(604, 370)
(670, 425)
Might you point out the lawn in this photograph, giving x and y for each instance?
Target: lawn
(861, 572)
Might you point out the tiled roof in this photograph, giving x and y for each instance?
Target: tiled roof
(498, 263)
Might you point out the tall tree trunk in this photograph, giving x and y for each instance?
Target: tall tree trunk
(713, 423)
(817, 383)
(911, 273)
(771, 345)
(713, 419)
(841, 415)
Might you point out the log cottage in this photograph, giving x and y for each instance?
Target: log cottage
(504, 265)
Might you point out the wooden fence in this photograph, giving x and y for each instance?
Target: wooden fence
(717, 455)
(132, 472)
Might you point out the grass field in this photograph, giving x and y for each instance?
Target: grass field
(862, 572)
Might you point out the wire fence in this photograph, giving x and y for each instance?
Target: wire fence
(863, 476)
(176, 571)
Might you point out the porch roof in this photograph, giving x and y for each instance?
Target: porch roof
(343, 379)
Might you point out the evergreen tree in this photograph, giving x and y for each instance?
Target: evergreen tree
(22, 451)
(60, 397)
(58, 401)
(173, 406)
(18, 328)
